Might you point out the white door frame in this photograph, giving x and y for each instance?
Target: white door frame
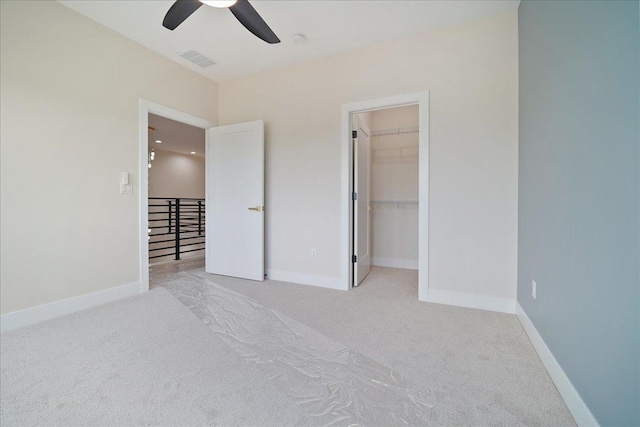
(346, 224)
(145, 108)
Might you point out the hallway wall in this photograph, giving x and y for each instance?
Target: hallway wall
(176, 175)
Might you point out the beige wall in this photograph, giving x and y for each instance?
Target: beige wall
(69, 105)
(177, 175)
(471, 71)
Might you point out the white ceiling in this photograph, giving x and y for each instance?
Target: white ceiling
(176, 136)
(329, 26)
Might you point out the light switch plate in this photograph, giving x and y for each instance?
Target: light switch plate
(126, 189)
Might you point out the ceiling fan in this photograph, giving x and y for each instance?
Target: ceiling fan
(241, 9)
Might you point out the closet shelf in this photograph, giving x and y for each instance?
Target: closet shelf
(394, 131)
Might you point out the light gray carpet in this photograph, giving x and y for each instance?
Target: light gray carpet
(480, 364)
(336, 385)
(151, 360)
(146, 360)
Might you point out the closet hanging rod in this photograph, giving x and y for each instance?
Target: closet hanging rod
(395, 131)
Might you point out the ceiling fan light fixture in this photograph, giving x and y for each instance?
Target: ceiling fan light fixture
(241, 9)
(219, 3)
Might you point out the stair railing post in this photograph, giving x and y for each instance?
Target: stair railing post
(177, 229)
(199, 217)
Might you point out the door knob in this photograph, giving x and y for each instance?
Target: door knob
(257, 208)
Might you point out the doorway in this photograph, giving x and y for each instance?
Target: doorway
(177, 205)
(145, 140)
(386, 169)
(391, 164)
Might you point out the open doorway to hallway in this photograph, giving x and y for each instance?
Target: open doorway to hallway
(385, 197)
(176, 196)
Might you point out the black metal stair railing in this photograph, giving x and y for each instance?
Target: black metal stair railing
(176, 226)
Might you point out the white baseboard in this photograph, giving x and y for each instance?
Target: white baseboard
(571, 397)
(395, 263)
(463, 299)
(306, 279)
(29, 316)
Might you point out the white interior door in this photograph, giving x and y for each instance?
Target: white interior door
(235, 200)
(362, 213)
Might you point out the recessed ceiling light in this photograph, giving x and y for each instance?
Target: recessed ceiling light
(158, 141)
(193, 152)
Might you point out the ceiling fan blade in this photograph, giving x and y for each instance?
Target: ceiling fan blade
(180, 11)
(247, 15)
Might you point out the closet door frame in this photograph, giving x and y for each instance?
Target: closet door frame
(346, 206)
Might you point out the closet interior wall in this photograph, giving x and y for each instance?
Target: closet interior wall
(394, 187)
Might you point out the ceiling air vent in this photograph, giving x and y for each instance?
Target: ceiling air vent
(197, 58)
